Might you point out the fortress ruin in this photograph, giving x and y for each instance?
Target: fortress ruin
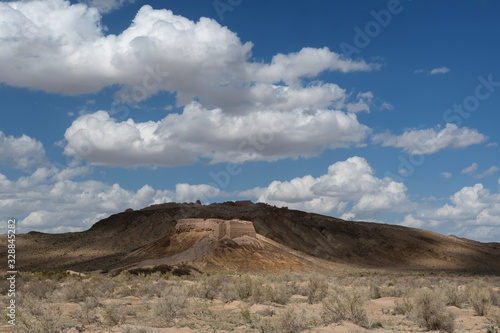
(219, 228)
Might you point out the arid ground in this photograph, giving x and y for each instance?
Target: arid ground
(356, 301)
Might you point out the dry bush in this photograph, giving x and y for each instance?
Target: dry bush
(36, 317)
(209, 286)
(403, 307)
(454, 296)
(76, 291)
(317, 289)
(266, 293)
(87, 314)
(374, 291)
(291, 320)
(243, 286)
(103, 285)
(429, 311)
(392, 290)
(281, 293)
(479, 298)
(41, 289)
(171, 305)
(245, 314)
(495, 297)
(261, 292)
(228, 292)
(345, 304)
(135, 329)
(113, 315)
(493, 316)
(153, 288)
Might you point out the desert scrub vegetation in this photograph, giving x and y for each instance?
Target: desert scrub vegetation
(429, 311)
(149, 301)
(345, 304)
(172, 304)
(87, 314)
(479, 298)
(317, 289)
(36, 317)
(291, 320)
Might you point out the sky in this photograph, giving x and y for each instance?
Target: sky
(367, 110)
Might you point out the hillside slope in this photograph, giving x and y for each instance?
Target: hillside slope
(109, 242)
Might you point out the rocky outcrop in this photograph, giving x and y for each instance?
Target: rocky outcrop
(218, 228)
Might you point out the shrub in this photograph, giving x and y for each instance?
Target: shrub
(76, 291)
(374, 292)
(281, 294)
(170, 306)
(345, 304)
(135, 329)
(291, 320)
(210, 286)
(491, 329)
(429, 311)
(245, 314)
(260, 293)
(87, 313)
(454, 296)
(163, 269)
(228, 292)
(479, 299)
(36, 317)
(493, 316)
(495, 297)
(317, 289)
(40, 288)
(113, 315)
(404, 307)
(243, 287)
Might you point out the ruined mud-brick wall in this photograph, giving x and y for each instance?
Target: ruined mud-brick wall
(238, 228)
(219, 228)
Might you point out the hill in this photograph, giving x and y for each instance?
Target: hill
(285, 240)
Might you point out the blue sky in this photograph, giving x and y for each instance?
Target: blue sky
(381, 111)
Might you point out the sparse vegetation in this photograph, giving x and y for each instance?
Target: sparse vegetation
(479, 298)
(87, 313)
(345, 304)
(429, 311)
(136, 303)
(170, 305)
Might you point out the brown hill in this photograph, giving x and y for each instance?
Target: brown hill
(285, 240)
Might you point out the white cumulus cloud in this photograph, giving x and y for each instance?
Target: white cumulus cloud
(56, 46)
(21, 153)
(181, 139)
(349, 188)
(49, 200)
(106, 6)
(473, 212)
(430, 141)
